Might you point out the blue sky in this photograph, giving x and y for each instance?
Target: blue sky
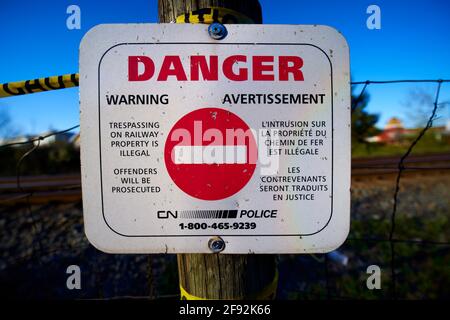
(413, 43)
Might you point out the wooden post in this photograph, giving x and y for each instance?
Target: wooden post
(169, 10)
(220, 276)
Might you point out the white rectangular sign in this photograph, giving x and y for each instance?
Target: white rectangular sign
(186, 139)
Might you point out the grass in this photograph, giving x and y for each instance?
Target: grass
(427, 145)
(422, 270)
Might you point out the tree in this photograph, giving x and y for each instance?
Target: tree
(6, 129)
(419, 105)
(363, 122)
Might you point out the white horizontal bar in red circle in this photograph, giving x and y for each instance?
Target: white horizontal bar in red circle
(211, 154)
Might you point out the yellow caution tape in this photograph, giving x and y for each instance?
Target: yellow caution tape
(268, 293)
(214, 14)
(38, 85)
(187, 296)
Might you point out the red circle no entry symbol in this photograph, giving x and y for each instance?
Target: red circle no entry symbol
(210, 153)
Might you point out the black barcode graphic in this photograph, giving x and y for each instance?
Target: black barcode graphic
(208, 214)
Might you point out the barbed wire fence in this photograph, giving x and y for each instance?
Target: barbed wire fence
(391, 240)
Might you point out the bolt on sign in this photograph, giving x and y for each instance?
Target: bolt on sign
(192, 144)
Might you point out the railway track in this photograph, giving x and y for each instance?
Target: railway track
(67, 187)
(389, 165)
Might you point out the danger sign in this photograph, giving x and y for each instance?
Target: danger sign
(238, 145)
(210, 154)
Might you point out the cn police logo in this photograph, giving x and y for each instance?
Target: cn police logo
(210, 154)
